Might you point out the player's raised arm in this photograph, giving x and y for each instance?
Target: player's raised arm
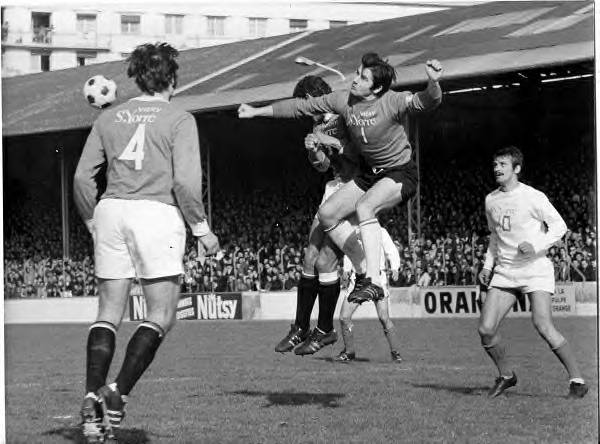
(248, 111)
(85, 185)
(430, 97)
(187, 181)
(297, 108)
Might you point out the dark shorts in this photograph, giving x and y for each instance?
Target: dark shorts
(406, 174)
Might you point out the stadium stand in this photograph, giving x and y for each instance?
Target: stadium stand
(263, 234)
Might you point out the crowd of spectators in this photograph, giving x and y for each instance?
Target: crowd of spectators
(263, 235)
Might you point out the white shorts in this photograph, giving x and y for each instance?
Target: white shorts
(331, 187)
(140, 238)
(535, 276)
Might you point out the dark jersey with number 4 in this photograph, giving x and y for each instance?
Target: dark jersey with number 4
(151, 151)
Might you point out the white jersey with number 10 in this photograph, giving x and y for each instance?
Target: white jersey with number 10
(523, 214)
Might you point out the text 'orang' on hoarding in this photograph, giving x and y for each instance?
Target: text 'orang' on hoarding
(459, 301)
(466, 301)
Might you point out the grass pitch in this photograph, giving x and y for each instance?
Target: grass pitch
(221, 382)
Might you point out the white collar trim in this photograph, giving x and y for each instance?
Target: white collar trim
(147, 98)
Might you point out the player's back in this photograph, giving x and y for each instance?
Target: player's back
(137, 137)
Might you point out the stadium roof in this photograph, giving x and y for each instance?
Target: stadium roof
(486, 39)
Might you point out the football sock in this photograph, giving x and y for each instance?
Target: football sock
(564, 353)
(370, 233)
(305, 301)
(140, 353)
(497, 352)
(347, 335)
(329, 292)
(391, 335)
(100, 351)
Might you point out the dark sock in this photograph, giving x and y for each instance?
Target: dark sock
(140, 353)
(100, 350)
(497, 353)
(328, 296)
(307, 294)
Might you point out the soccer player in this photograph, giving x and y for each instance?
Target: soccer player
(153, 183)
(375, 118)
(327, 148)
(524, 224)
(390, 254)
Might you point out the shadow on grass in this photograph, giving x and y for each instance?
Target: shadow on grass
(482, 391)
(124, 436)
(455, 389)
(326, 400)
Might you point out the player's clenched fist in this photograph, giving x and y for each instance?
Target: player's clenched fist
(434, 69)
(526, 249)
(311, 142)
(208, 244)
(246, 111)
(484, 276)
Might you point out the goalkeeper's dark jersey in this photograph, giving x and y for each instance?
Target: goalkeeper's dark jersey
(151, 151)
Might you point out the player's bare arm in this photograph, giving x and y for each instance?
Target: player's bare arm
(248, 112)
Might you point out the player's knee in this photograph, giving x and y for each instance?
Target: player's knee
(327, 216)
(326, 262)
(543, 326)
(386, 323)
(345, 321)
(486, 331)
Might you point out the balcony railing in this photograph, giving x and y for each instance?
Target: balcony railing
(47, 36)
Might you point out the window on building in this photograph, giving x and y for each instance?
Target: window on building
(173, 24)
(215, 25)
(86, 23)
(257, 27)
(41, 27)
(297, 25)
(130, 24)
(337, 23)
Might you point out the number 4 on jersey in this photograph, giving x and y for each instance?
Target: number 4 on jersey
(135, 148)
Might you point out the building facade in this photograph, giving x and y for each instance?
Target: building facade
(44, 38)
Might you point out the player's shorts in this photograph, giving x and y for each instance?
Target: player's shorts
(406, 174)
(140, 238)
(535, 276)
(331, 187)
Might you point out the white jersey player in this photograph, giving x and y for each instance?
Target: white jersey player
(523, 225)
(389, 255)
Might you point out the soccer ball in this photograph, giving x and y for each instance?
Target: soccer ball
(99, 91)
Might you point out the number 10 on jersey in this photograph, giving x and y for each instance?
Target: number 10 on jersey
(135, 148)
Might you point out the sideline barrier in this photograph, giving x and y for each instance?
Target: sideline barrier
(195, 306)
(406, 302)
(465, 302)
